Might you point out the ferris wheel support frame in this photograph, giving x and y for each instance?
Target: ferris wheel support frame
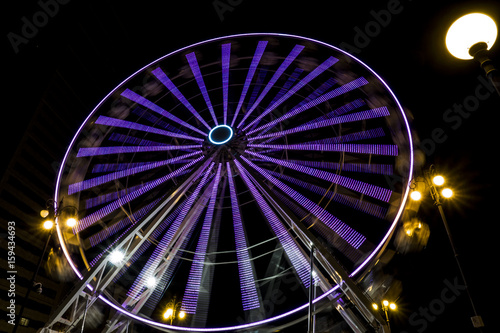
(94, 279)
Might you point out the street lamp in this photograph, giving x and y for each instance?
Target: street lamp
(435, 182)
(173, 310)
(47, 225)
(470, 37)
(386, 307)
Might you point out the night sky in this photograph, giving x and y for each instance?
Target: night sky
(94, 45)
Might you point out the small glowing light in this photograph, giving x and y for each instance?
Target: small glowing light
(116, 256)
(438, 180)
(48, 224)
(416, 195)
(182, 314)
(392, 306)
(168, 313)
(44, 213)
(151, 282)
(375, 306)
(468, 30)
(447, 193)
(385, 302)
(409, 232)
(71, 222)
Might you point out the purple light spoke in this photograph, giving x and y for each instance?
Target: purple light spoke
(358, 116)
(382, 169)
(164, 245)
(354, 84)
(134, 97)
(249, 294)
(284, 65)
(89, 183)
(350, 137)
(192, 292)
(309, 77)
(354, 238)
(111, 167)
(362, 206)
(157, 121)
(349, 183)
(297, 259)
(195, 68)
(375, 149)
(251, 71)
(160, 75)
(104, 198)
(226, 58)
(95, 151)
(129, 220)
(103, 120)
(89, 220)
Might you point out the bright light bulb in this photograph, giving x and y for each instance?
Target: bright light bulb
(385, 302)
(44, 213)
(116, 256)
(375, 306)
(182, 314)
(392, 306)
(416, 195)
(151, 282)
(447, 193)
(48, 224)
(71, 222)
(438, 180)
(168, 313)
(468, 30)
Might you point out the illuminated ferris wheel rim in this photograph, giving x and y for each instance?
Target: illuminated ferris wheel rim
(359, 269)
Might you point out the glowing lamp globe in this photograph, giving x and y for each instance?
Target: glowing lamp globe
(469, 30)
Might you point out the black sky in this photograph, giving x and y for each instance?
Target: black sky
(94, 45)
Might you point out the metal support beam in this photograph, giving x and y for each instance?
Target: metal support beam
(129, 243)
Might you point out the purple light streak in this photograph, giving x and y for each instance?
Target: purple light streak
(195, 68)
(357, 148)
(297, 259)
(89, 220)
(127, 93)
(164, 244)
(160, 75)
(261, 46)
(89, 183)
(192, 292)
(358, 116)
(226, 58)
(354, 238)
(103, 120)
(362, 206)
(309, 77)
(249, 294)
(349, 183)
(288, 60)
(354, 84)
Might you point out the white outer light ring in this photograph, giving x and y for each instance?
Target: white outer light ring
(362, 266)
(220, 142)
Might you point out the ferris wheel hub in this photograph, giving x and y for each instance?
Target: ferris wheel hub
(220, 134)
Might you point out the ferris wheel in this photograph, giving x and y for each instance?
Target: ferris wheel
(236, 174)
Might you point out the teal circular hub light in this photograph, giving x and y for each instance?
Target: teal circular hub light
(220, 134)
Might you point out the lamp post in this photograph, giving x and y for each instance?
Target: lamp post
(172, 309)
(435, 182)
(47, 225)
(470, 37)
(386, 306)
